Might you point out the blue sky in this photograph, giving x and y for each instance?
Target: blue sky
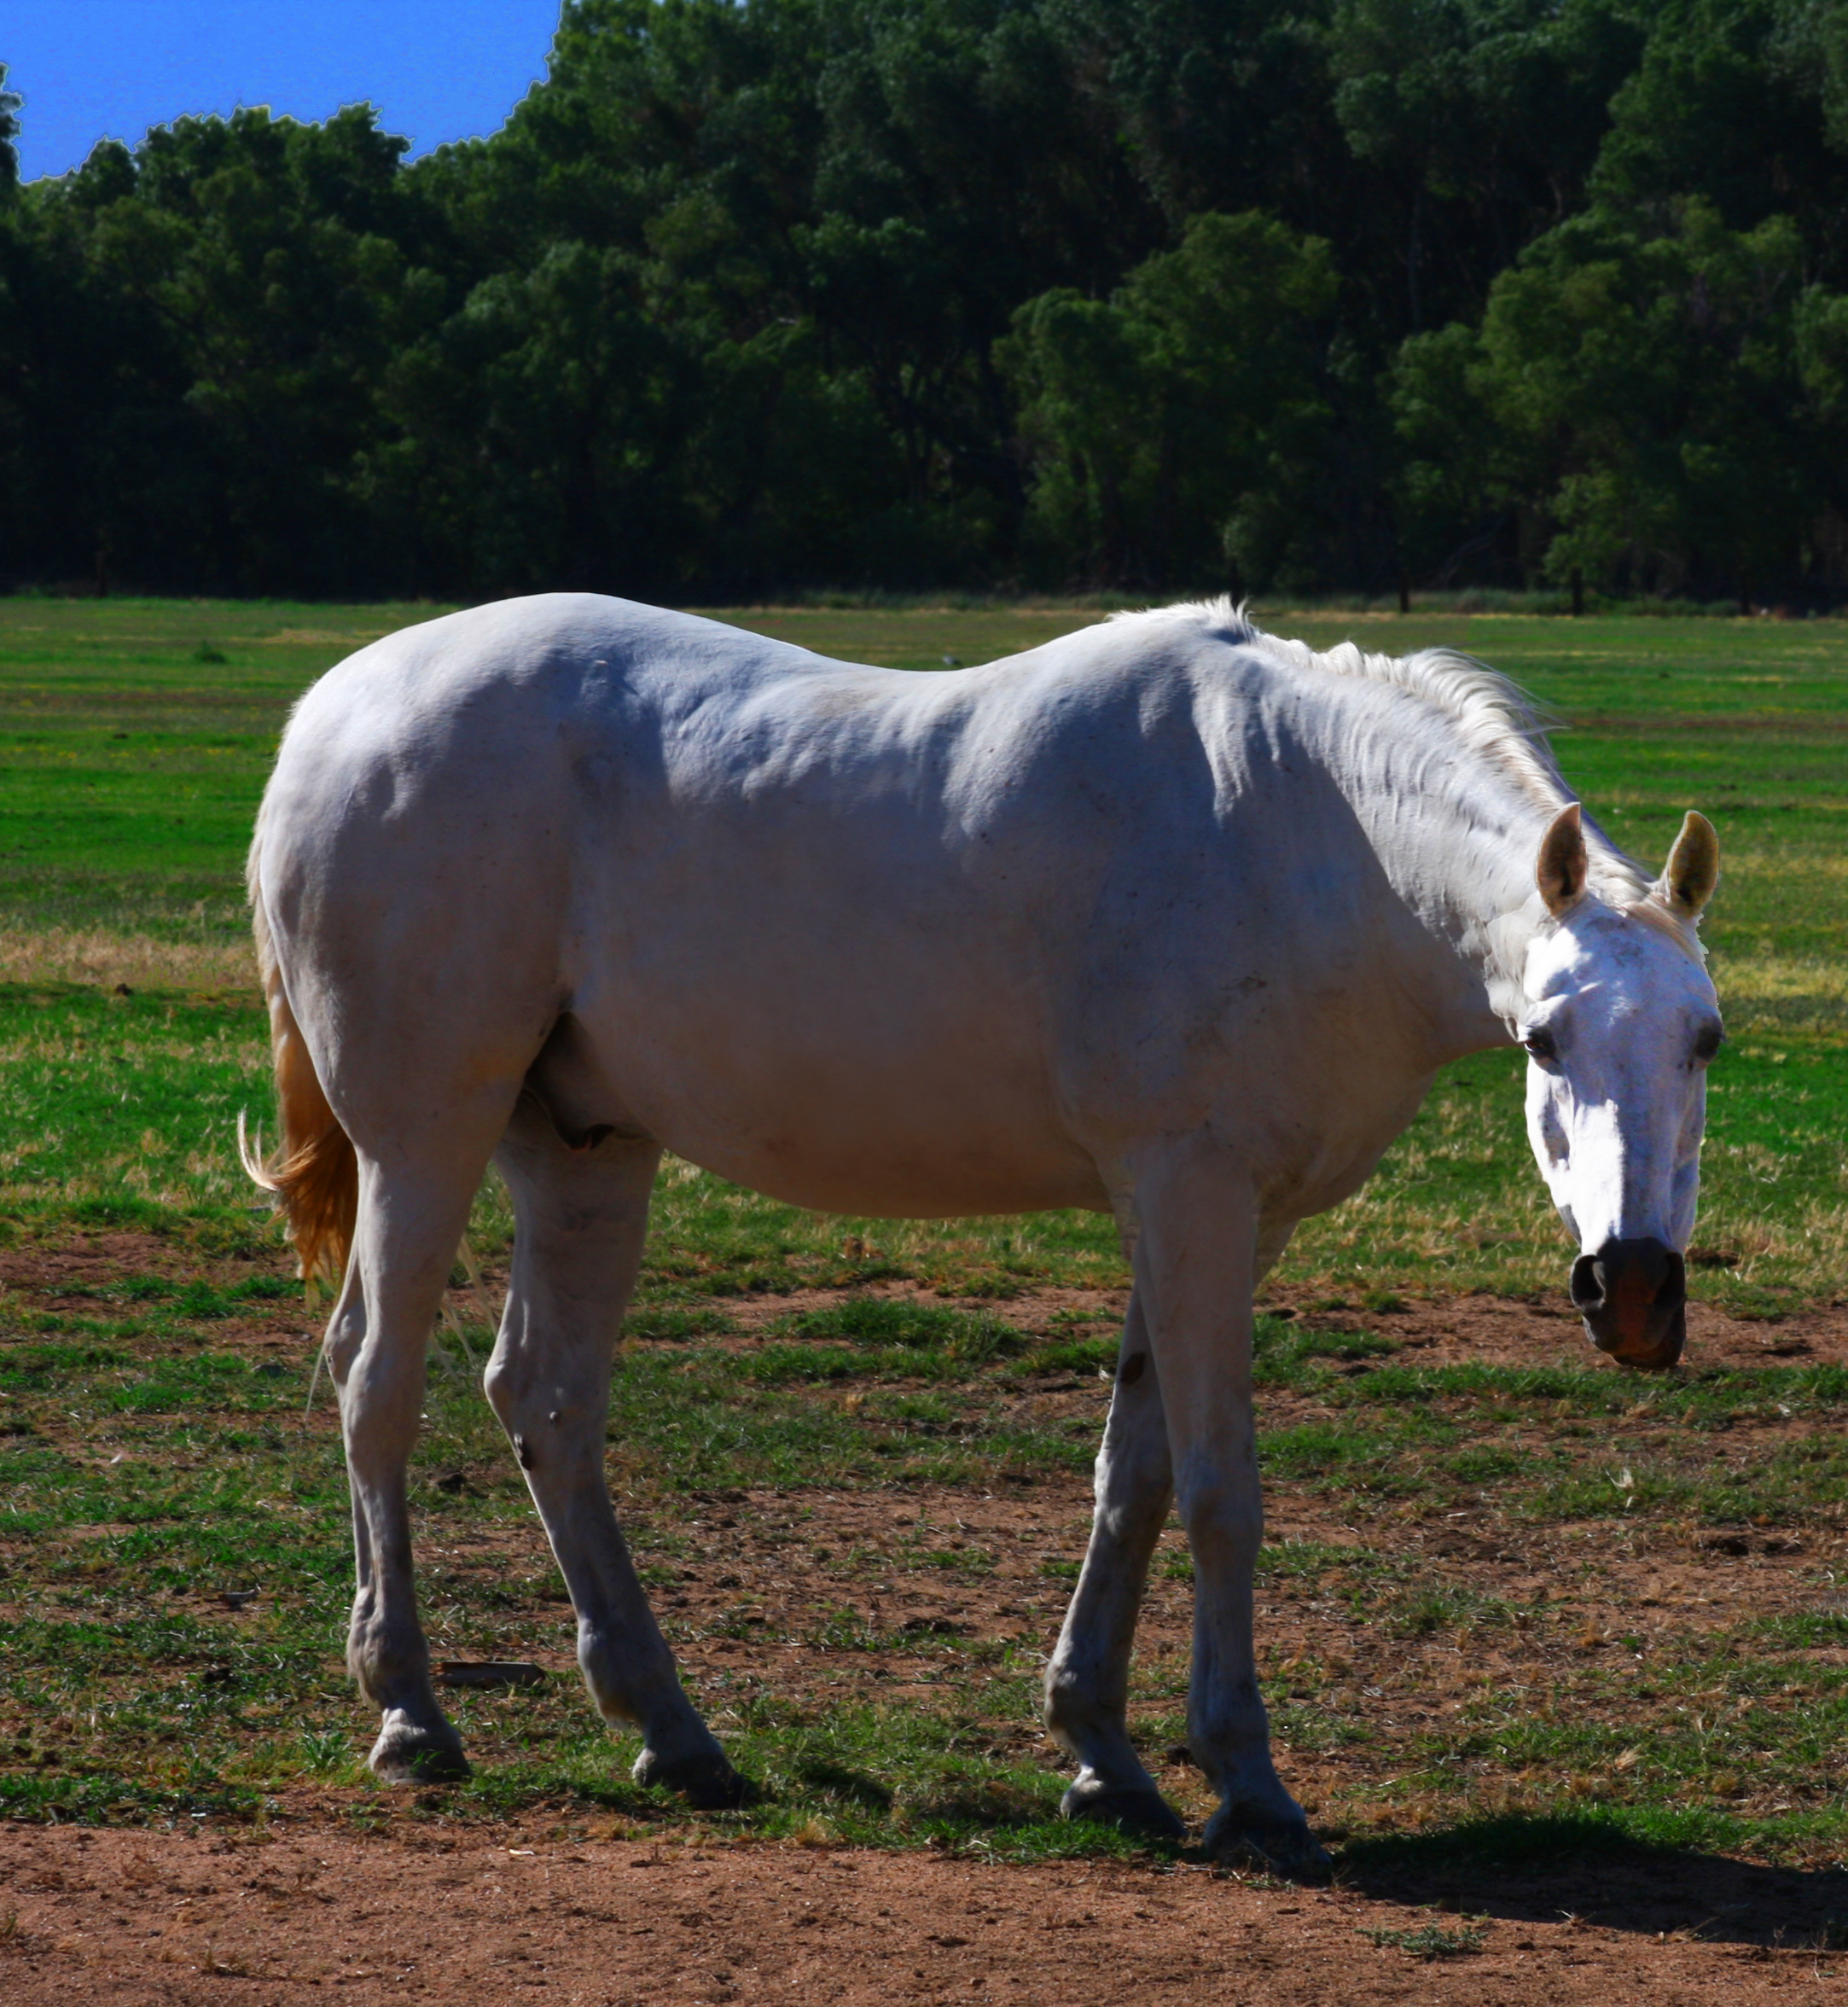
(437, 69)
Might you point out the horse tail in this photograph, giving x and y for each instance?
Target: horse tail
(314, 1171)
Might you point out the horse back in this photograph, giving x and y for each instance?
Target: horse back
(865, 938)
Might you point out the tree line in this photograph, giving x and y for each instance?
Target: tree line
(1257, 296)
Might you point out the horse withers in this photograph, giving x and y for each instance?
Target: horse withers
(1167, 917)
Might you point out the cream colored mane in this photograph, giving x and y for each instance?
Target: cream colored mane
(1486, 712)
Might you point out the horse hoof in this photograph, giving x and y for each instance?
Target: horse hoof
(707, 1783)
(1283, 1848)
(1131, 1812)
(418, 1760)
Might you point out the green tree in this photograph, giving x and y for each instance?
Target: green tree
(1478, 122)
(1637, 401)
(1177, 429)
(534, 434)
(244, 275)
(1714, 110)
(10, 103)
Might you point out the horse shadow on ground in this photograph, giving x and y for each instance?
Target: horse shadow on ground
(1539, 1871)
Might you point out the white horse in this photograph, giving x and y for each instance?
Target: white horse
(1166, 916)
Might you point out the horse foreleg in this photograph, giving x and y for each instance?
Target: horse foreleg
(1196, 1263)
(1087, 1680)
(582, 1218)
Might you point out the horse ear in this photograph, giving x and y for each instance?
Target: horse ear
(1693, 869)
(1561, 872)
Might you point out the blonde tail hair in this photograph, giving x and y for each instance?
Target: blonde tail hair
(313, 1172)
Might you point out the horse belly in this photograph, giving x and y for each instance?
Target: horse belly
(800, 1105)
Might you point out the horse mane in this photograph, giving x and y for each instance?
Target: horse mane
(1486, 712)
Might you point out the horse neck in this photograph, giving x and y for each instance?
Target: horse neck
(1459, 849)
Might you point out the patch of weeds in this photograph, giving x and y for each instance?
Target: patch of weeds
(1806, 1630)
(1367, 1460)
(1541, 1840)
(326, 1752)
(967, 1337)
(662, 1325)
(61, 1797)
(1309, 1561)
(951, 1560)
(1086, 1357)
(836, 1780)
(1429, 1941)
(202, 1300)
(848, 1631)
(1434, 1607)
(1483, 1463)
(1286, 1355)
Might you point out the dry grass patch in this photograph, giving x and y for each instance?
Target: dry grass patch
(109, 960)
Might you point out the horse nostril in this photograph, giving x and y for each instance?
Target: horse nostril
(1632, 1295)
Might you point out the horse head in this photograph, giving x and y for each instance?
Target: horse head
(1620, 1019)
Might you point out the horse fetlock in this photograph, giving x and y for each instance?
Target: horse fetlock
(1258, 1835)
(703, 1776)
(1112, 1781)
(1257, 1819)
(1080, 1713)
(1240, 1769)
(635, 1683)
(391, 1669)
(410, 1751)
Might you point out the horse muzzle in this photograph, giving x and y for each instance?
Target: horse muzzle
(1633, 1296)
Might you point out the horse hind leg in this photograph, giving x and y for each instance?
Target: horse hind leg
(581, 1209)
(1087, 1680)
(405, 1237)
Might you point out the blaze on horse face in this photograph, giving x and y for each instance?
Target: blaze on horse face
(1619, 1022)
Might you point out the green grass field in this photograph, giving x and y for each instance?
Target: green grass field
(860, 1534)
(135, 736)
(1493, 1607)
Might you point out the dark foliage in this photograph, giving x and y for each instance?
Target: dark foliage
(1159, 294)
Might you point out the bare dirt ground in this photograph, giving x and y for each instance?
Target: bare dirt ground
(127, 1919)
(422, 1912)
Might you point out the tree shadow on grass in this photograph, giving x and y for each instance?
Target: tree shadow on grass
(1537, 1870)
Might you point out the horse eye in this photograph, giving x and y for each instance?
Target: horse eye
(1541, 1043)
(1708, 1042)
